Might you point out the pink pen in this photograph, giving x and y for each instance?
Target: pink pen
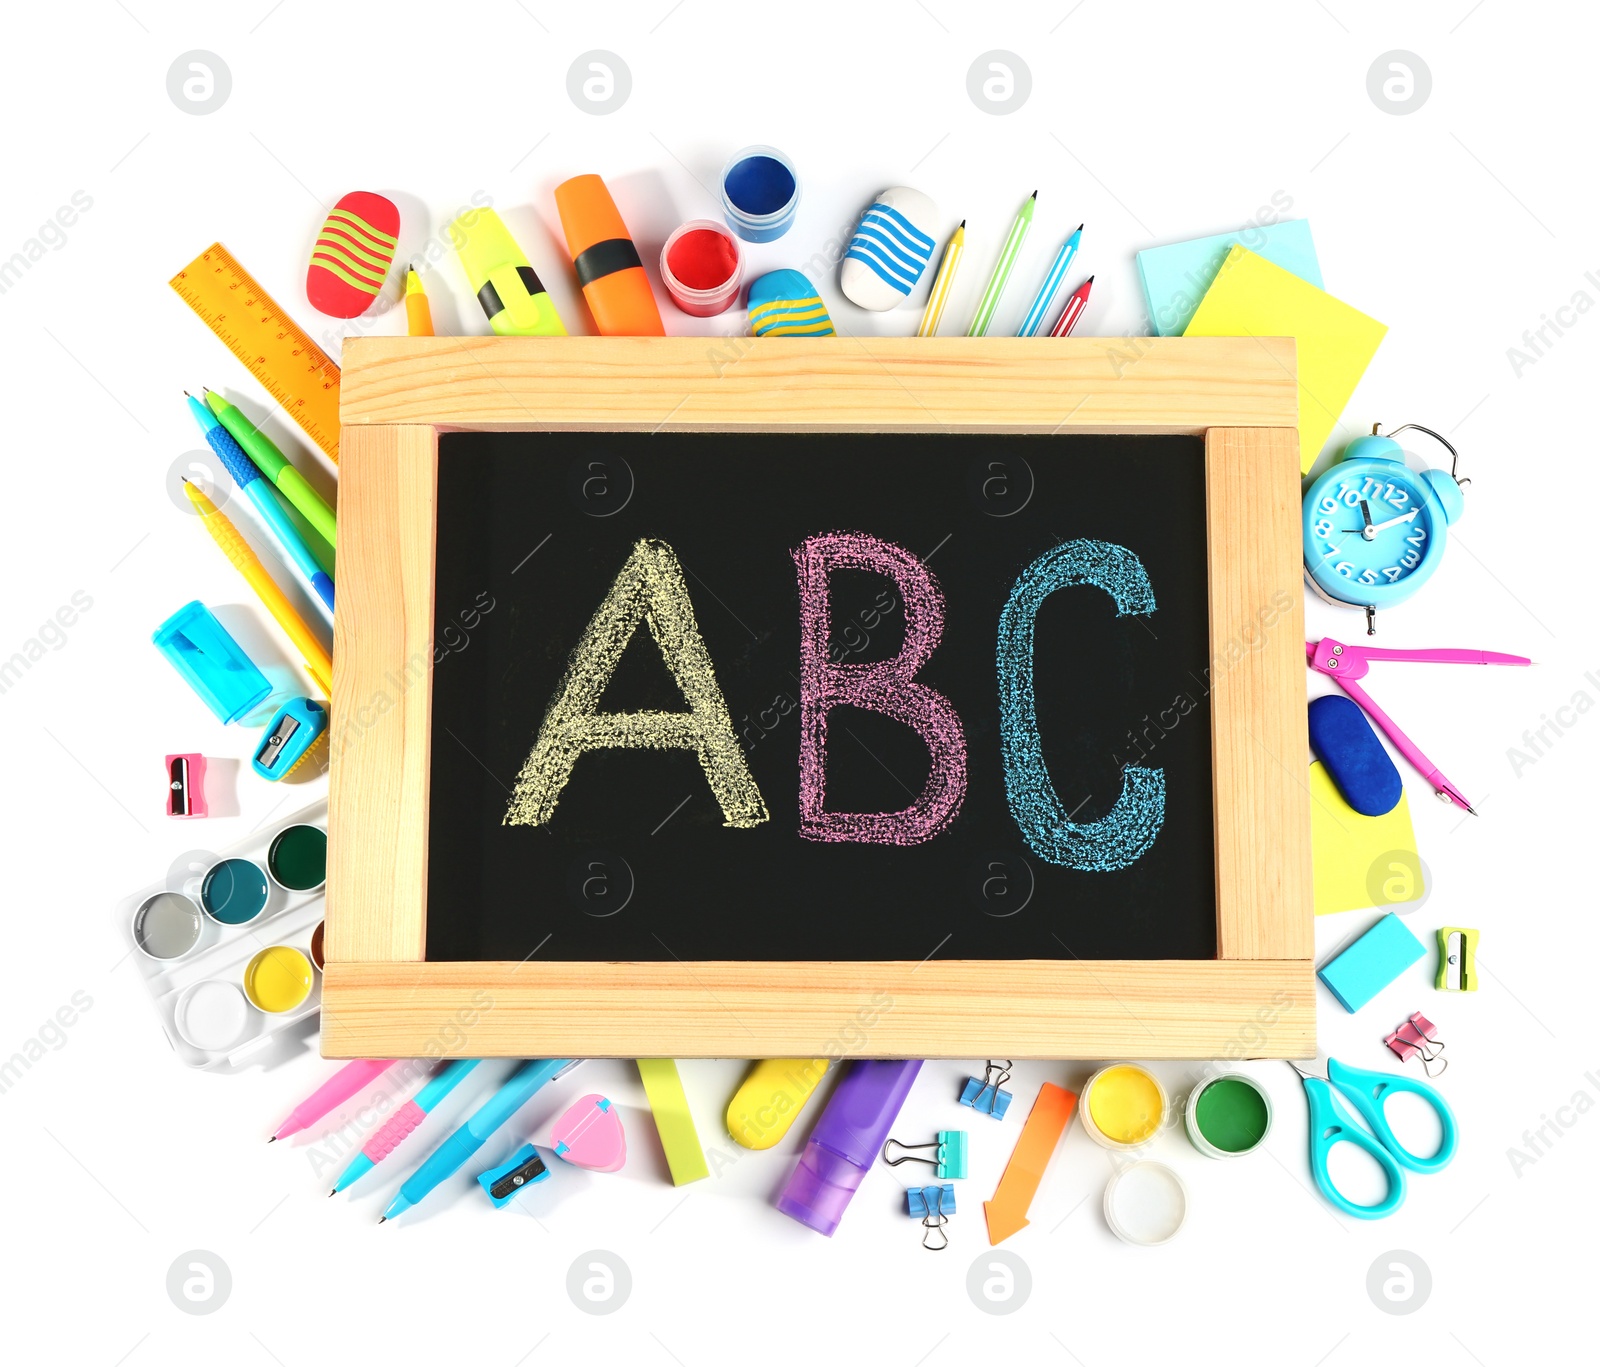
(1345, 664)
(339, 1088)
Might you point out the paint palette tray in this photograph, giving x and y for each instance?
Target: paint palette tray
(232, 954)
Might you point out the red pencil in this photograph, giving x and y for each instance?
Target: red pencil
(1073, 311)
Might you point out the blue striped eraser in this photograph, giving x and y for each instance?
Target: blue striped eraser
(890, 249)
(1374, 961)
(784, 303)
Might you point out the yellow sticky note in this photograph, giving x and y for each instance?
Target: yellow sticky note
(1251, 297)
(1360, 861)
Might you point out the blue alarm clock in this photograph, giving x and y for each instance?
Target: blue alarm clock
(1373, 528)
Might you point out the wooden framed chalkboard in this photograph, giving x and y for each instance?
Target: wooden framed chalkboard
(915, 698)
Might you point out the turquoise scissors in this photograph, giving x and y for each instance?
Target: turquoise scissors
(1331, 1124)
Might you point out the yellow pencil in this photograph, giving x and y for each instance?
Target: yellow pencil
(934, 309)
(419, 318)
(226, 535)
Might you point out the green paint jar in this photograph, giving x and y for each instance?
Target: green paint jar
(1228, 1116)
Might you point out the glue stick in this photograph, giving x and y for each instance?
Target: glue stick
(846, 1140)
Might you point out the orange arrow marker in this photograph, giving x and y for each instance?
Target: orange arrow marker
(1008, 1212)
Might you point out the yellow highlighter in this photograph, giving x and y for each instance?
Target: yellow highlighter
(769, 1099)
(513, 299)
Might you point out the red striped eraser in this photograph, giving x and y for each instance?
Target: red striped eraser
(352, 254)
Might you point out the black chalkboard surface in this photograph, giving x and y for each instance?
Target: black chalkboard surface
(635, 860)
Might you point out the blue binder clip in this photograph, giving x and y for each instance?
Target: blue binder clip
(987, 1096)
(949, 1150)
(524, 1168)
(933, 1206)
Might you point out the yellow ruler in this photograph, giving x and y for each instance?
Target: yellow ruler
(287, 363)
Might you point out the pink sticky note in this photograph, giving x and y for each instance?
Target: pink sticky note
(589, 1135)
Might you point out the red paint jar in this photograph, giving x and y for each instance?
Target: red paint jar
(702, 266)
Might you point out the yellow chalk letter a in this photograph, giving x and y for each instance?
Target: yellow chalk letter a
(650, 586)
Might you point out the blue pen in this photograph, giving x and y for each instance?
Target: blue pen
(403, 1121)
(248, 478)
(449, 1157)
(1052, 282)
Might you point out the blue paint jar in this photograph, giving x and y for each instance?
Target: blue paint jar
(760, 194)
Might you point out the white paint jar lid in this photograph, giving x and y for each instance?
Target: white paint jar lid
(212, 1014)
(1146, 1204)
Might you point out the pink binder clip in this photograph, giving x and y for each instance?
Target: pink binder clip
(1418, 1037)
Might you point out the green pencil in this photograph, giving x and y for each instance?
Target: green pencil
(275, 466)
(1002, 268)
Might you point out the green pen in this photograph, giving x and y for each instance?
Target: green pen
(275, 466)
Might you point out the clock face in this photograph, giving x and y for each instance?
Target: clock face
(1369, 525)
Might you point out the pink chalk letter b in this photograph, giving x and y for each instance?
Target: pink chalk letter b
(885, 686)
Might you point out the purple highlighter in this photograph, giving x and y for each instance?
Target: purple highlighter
(845, 1143)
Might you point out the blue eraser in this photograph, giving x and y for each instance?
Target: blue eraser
(522, 1169)
(1374, 961)
(1354, 757)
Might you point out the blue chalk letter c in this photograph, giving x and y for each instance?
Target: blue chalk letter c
(1131, 826)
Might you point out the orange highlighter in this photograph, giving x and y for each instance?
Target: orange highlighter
(614, 283)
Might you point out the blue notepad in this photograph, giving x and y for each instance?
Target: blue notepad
(1176, 277)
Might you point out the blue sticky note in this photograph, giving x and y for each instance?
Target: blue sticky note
(1176, 277)
(1374, 961)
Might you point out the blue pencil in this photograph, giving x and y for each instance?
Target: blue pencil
(403, 1121)
(1052, 282)
(259, 491)
(448, 1158)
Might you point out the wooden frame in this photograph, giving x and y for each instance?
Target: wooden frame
(380, 999)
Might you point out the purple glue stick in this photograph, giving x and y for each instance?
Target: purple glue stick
(846, 1141)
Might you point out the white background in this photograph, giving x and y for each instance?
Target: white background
(1459, 225)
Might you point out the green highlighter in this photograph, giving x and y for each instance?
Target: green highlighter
(275, 466)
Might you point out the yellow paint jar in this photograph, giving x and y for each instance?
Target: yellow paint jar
(1123, 1106)
(277, 979)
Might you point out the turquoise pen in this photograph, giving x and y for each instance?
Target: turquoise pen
(450, 1156)
(1052, 282)
(389, 1135)
(249, 478)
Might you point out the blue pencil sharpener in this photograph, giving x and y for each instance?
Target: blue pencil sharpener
(523, 1169)
(211, 662)
(289, 736)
